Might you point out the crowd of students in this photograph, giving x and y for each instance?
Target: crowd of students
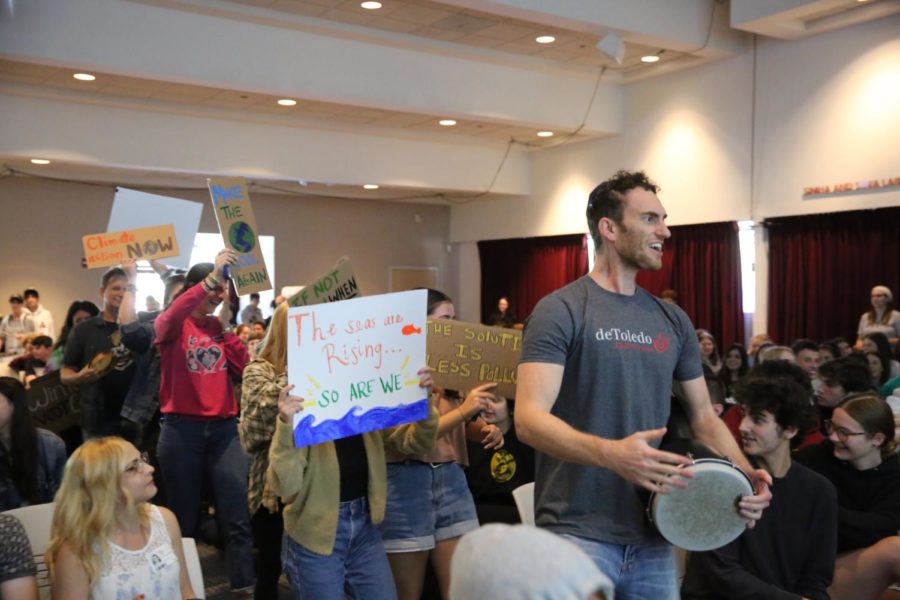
(179, 407)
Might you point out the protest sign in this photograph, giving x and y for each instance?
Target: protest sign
(355, 363)
(464, 355)
(238, 228)
(132, 210)
(337, 284)
(52, 404)
(146, 243)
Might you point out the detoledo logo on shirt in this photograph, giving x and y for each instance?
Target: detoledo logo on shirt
(625, 339)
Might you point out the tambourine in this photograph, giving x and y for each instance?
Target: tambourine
(704, 515)
(102, 362)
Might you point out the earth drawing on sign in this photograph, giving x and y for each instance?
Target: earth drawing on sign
(241, 237)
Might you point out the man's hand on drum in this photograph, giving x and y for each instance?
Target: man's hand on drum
(634, 459)
(751, 507)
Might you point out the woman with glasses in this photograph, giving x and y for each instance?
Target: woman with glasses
(198, 444)
(107, 539)
(860, 459)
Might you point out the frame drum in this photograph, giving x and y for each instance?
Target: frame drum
(703, 516)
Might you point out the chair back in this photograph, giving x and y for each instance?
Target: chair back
(524, 497)
(192, 558)
(37, 520)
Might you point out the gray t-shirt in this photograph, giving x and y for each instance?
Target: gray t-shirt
(620, 355)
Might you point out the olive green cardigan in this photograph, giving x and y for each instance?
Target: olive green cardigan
(308, 479)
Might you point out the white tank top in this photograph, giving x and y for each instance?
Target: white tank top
(153, 570)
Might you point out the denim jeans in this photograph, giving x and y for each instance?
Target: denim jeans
(356, 568)
(638, 572)
(195, 453)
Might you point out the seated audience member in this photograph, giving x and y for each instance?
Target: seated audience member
(891, 388)
(31, 459)
(860, 459)
(843, 346)
(708, 352)
(252, 313)
(881, 318)
(521, 562)
(107, 540)
(494, 473)
(807, 353)
(840, 378)
(828, 352)
(43, 320)
(879, 344)
(774, 369)
(757, 342)
(734, 368)
(18, 363)
(18, 579)
(878, 370)
(14, 325)
(41, 349)
(773, 353)
(80, 310)
(503, 316)
(102, 392)
(791, 550)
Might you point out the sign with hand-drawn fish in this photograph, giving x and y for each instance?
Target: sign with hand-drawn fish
(355, 364)
(465, 355)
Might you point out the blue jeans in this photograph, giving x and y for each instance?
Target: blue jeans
(356, 568)
(194, 453)
(638, 572)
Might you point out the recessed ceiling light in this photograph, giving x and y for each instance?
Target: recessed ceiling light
(370, 5)
(545, 39)
(650, 58)
(84, 77)
(287, 102)
(545, 134)
(447, 122)
(40, 161)
(370, 186)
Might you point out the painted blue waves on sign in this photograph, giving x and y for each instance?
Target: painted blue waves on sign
(307, 433)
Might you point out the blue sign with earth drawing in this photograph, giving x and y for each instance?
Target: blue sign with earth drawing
(238, 227)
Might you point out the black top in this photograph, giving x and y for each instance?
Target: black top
(354, 466)
(790, 553)
(868, 501)
(494, 474)
(498, 319)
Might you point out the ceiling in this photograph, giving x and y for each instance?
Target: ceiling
(370, 85)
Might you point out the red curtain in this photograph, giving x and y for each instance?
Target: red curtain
(525, 270)
(702, 263)
(822, 268)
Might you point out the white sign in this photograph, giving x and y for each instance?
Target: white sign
(355, 363)
(132, 210)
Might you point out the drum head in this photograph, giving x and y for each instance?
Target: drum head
(704, 516)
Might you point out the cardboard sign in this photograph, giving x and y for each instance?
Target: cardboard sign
(52, 404)
(464, 355)
(132, 210)
(355, 364)
(238, 228)
(337, 284)
(146, 243)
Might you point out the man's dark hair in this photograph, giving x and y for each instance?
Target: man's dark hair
(804, 344)
(608, 199)
(783, 397)
(31, 292)
(111, 274)
(42, 340)
(16, 299)
(782, 369)
(849, 372)
(254, 296)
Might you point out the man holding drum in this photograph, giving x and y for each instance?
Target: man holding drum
(594, 388)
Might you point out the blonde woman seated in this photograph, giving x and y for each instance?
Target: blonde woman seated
(107, 539)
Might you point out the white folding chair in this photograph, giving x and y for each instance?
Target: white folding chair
(37, 520)
(524, 497)
(192, 559)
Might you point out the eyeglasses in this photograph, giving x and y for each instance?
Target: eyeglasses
(842, 434)
(138, 463)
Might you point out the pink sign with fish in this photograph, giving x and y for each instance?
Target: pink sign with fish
(355, 363)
